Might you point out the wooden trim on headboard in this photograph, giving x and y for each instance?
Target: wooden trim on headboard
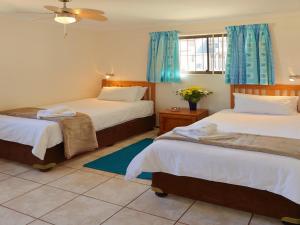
(149, 95)
(273, 90)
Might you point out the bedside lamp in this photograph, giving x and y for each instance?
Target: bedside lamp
(293, 78)
(109, 75)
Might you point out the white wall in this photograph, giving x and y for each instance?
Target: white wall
(127, 52)
(38, 66)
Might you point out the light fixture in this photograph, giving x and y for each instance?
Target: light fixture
(109, 75)
(65, 18)
(293, 78)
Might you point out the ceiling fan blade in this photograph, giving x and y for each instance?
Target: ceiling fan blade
(84, 11)
(97, 17)
(53, 8)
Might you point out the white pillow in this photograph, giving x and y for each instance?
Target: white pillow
(276, 105)
(141, 92)
(127, 94)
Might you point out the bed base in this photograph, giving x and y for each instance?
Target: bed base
(228, 195)
(44, 168)
(109, 136)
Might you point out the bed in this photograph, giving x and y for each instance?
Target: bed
(113, 120)
(256, 182)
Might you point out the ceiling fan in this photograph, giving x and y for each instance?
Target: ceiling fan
(67, 15)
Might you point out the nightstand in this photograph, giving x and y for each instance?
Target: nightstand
(169, 119)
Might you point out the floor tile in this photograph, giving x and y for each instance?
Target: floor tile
(82, 210)
(171, 207)
(39, 222)
(125, 143)
(78, 162)
(132, 217)
(10, 217)
(4, 176)
(79, 182)
(262, 220)
(40, 201)
(100, 172)
(105, 151)
(46, 177)
(202, 213)
(136, 180)
(117, 191)
(13, 168)
(14, 187)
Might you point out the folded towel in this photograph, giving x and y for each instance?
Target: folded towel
(58, 111)
(207, 129)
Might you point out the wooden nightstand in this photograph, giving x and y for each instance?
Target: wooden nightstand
(169, 120)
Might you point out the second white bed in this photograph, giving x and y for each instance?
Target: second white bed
(277, 174)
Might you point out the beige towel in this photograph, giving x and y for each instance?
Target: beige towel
(272, 145)
(78, 131)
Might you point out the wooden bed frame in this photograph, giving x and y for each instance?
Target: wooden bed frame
(106, 137)
(234, 196)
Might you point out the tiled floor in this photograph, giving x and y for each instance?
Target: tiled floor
(73, 195)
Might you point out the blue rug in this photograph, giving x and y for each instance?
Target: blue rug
(118, 161)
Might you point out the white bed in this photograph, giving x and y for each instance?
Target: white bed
(42, 134)
(277, 174)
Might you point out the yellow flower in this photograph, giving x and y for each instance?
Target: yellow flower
(195, 88)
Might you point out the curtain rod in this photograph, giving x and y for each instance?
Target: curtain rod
(218, 33)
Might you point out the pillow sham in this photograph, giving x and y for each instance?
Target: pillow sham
(127, 94)
(274, 105)
(141, 93)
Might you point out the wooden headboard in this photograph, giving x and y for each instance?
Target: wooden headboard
(149, 95)
(273, 90)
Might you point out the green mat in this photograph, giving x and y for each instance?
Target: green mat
(118, 161)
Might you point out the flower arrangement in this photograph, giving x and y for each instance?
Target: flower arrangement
(193, 95)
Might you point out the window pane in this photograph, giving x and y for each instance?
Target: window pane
(183, 63)
(191, 63)
(201, 62)
(201, 44)
(217, 51)
(193, 54)
(201, 54)
(191, 47)
(183, 46)
(194, 58)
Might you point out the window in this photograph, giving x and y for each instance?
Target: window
(203, 54)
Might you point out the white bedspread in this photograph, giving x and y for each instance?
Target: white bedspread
(42, 134)
(277, 174)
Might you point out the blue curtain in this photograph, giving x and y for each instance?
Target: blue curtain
(249, 55)
(163, 57)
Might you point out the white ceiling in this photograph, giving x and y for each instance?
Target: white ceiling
(125, 14)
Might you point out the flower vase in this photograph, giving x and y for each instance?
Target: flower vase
(193, 106)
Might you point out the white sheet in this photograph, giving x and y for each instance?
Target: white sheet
(277, 174)
(43, 134)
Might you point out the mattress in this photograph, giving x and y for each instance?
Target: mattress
(274, 173)
(42, 134)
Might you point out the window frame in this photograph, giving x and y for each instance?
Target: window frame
(207, 36)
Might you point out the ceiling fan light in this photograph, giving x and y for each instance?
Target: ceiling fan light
(65, 18)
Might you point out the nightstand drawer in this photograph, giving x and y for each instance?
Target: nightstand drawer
(169, 123)
(168, 120)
